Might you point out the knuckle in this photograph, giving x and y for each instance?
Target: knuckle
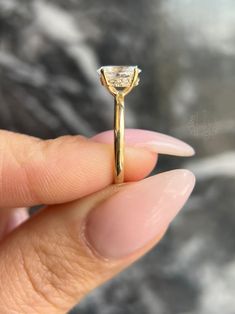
(17, 151)
(25, 291)
(52, 274)
(60, 144)
(35, 279)
(43, 162)
(59, 274)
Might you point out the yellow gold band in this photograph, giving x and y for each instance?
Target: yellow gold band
(119, 135)
(119, 81)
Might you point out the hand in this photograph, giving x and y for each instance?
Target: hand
(89, 230)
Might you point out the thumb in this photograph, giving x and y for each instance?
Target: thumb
(67, 250)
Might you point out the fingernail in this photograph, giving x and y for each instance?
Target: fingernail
(15, 219)
(153, 141)
(138, 213)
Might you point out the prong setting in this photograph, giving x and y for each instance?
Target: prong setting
(119, 77)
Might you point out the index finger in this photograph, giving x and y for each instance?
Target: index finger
(33, 171)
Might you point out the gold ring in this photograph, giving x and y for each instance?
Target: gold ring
(119, 80)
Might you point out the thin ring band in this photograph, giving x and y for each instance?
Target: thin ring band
(119, 86)
(119, 138)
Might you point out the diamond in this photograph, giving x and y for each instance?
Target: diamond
(119, 76)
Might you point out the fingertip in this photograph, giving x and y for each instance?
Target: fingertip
(138, 213)
(139, 163)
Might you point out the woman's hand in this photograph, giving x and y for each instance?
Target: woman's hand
(89, 230)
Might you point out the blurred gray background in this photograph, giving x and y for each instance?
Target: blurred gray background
(49, 53)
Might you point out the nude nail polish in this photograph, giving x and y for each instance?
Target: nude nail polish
(153, 141)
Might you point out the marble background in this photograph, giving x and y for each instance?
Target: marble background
(49, 53)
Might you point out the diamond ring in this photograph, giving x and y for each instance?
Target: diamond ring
(119, 81)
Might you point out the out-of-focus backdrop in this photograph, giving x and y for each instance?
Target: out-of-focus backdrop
(49, 53)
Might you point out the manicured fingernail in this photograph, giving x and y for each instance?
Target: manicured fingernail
(15, 219)
(138, 213)
(153, 141)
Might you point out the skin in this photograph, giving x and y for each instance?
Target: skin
(48, 263)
